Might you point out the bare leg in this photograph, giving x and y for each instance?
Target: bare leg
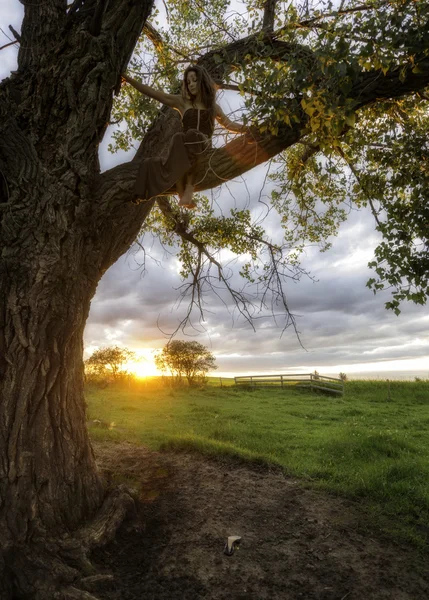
(186, 198)
(180, 187)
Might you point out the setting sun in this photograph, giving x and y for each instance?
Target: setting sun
(144, 365)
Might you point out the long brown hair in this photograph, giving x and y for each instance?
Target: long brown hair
(206, 86)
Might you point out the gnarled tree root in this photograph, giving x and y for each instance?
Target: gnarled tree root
(48, 568)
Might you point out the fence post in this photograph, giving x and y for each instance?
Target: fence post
(311, 382)
(220, 381)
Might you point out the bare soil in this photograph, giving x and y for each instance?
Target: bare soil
(297, 543)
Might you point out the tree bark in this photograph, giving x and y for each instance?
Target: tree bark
(55, 245)
(49, 485)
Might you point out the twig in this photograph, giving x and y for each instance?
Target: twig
(15, 33)
(9, 44)
(359, 180)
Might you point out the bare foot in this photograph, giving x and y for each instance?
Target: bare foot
(186, 198)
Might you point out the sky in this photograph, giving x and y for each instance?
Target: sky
(342, 326)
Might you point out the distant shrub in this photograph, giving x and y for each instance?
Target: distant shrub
(343, 377)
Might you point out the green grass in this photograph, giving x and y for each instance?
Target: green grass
(362, 446)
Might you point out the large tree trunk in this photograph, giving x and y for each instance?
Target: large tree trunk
(46, 458)
(55, 244)
(49, 484)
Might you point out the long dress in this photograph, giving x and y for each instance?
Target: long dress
(157, 175)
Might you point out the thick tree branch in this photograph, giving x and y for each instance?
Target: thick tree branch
(79, 83)
(222, 164)
(41, 27)
(97, 19)
(269, 15)
(260, 46)
(398, 81)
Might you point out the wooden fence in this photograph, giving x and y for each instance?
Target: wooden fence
(332, 385)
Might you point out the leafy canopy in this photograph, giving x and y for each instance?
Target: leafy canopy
(357, 148)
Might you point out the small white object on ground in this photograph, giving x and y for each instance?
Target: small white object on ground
(232, 542)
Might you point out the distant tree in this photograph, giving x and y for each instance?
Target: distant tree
(343, 377)
(185, 359)
(108, 363)
(316, 374)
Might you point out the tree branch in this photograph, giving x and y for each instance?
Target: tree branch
(9, 44)
(261, 45)
(180, 227)
(158, 42)
(222, 164)
(358, 178)
(41, 27)
(342, 12)
(97, 19)
(15, 33)
(269, 15)
(273, 278)
(200, 277)
(399, 81)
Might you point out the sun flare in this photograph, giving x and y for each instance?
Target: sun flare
(143, 366)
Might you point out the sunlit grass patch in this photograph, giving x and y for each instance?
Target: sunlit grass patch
(371, 445)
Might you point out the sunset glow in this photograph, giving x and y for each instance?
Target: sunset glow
(144, 365)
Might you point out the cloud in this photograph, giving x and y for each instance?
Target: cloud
(340, 320)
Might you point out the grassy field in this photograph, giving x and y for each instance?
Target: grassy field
(365, 445)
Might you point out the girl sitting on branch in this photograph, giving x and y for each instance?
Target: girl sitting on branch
(198, 108)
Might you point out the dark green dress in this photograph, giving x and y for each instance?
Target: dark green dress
(157, 175)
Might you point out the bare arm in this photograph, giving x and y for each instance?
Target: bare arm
(172, 100)
(226, 122)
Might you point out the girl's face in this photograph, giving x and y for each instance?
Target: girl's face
(192, 83)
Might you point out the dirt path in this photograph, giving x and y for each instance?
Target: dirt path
(296, 543)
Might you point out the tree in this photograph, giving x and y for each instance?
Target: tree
(328, 87)
(109, 362)
(185, 359)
